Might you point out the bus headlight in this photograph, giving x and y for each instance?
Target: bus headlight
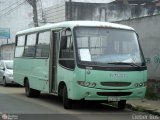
(81, 83)
(86, 84)
(141, 84)
(136, 84)
(93, 85)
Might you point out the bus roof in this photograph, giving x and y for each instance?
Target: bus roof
(73, 24)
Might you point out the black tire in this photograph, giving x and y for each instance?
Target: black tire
(4, 82)
(67, 103)
(31, 92)
(122, 104)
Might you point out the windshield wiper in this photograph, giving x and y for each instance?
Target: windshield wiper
(124, 63)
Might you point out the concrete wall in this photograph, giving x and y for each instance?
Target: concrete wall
(106, 12)
(95, 11)
(56, 13)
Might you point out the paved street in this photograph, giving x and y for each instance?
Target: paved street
(14, 102)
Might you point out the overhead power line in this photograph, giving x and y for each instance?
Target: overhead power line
(11, 10)
(8, 7)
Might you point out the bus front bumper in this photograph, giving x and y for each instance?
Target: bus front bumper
(101, 94)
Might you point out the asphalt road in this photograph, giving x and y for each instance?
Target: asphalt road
(15, 105)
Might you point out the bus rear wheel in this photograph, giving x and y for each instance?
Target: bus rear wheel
(29, 91)
(67, 103)
(122, 104)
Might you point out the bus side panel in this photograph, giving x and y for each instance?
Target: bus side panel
(17, 72)
(35, 70)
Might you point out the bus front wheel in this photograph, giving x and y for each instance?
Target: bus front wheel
(66, 102)
(29, 91)
(122, 104)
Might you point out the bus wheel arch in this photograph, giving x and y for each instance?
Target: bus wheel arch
(29, 91)
(60, 88)
(27, 87)
(63, 92)
(25, 80)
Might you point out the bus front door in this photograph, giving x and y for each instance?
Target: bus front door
(53, 61)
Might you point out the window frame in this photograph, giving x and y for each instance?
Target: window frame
(16, 45)
(27, 38)
(49, 45)
(17, 40)
(30, 45)
(36, 44)
(70, 59)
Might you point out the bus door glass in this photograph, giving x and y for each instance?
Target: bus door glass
(66, 55)
(53, 60)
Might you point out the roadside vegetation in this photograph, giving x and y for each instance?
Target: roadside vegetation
(150, 94)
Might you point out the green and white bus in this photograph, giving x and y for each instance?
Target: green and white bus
(81, 60)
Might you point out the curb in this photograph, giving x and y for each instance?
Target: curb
(143, 109)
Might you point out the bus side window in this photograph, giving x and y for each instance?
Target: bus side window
(42, 49)
(30, 45)
(20, 42)
(66, 55)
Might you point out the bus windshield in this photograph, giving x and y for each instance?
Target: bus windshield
(107, 45)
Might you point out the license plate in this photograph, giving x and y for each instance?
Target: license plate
(113, 99)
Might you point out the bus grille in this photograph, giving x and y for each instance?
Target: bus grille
(116, 84)
(114, 93)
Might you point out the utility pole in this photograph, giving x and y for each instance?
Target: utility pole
(33, 3)
(70, 2)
